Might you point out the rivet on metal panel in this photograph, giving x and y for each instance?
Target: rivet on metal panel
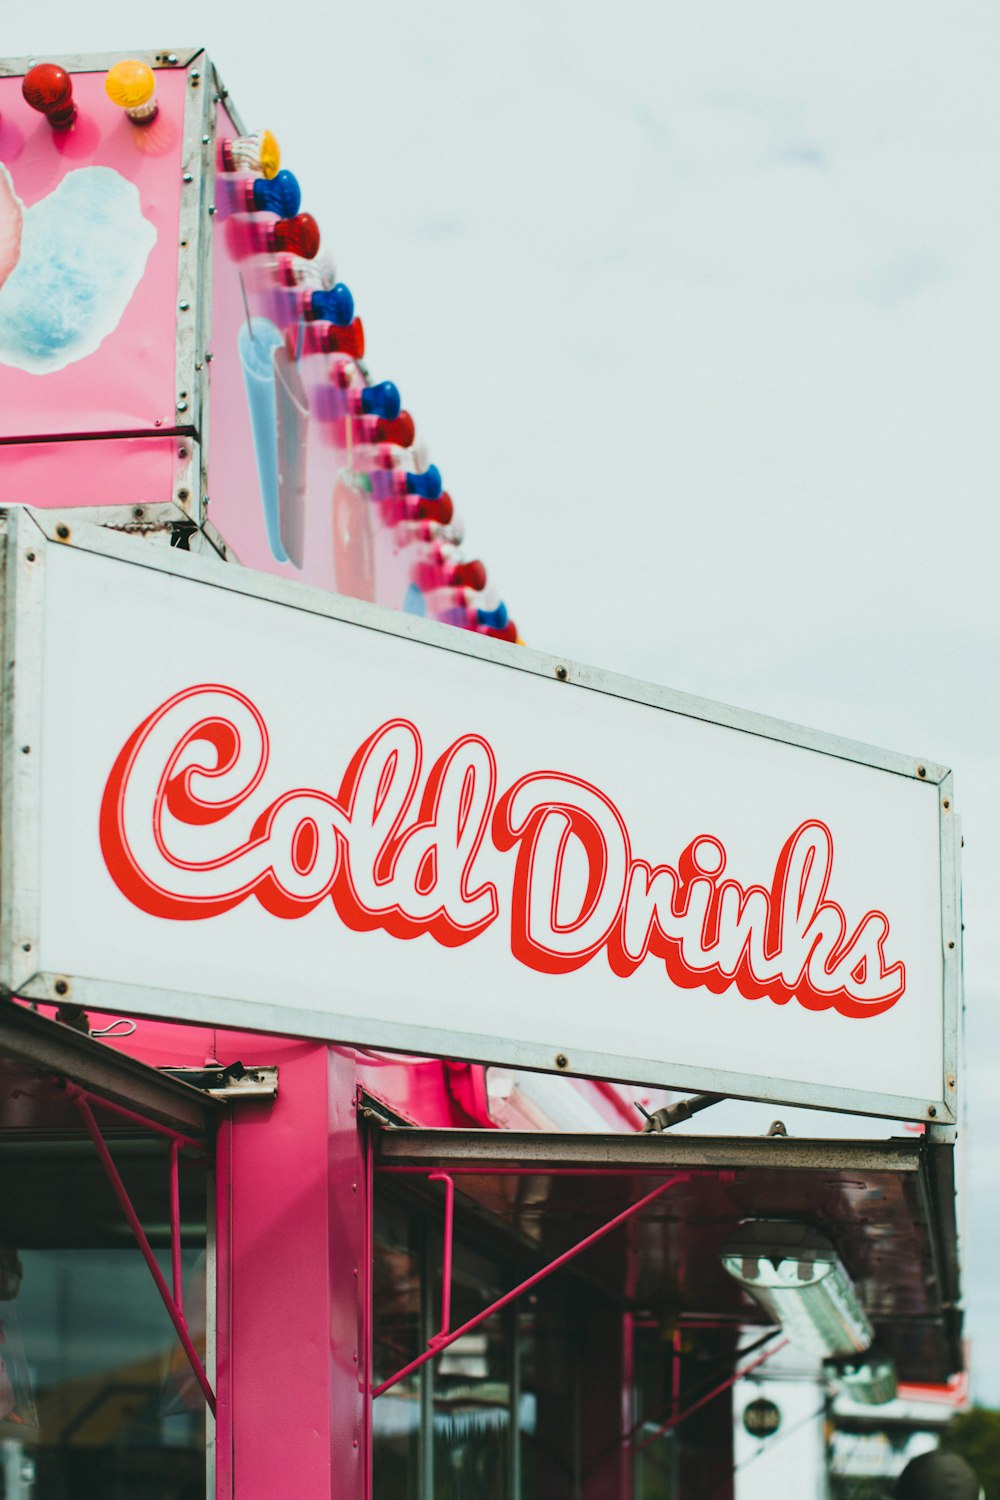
(182, 494)
(950, 1082)
(205, 140)
(26, 947)
(195, 79)
(945, 804)
(61, 987)
(183, 305)
(182, 453)
(187, 177)
(172, 57)
(562, 673)
(921, 770)
(137, 512)
(562, 1061)
(158, 422)
(30, 556)
(62, 532)
(211, 208)
(25, 749)
(182, 406)
(209, 356)
(932, 1110)
(951, 943)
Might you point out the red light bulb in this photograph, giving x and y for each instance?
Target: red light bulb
(508, 633)
(401, 431)
(49, 89)
(349, 340)
(298, 236)
(440, 510)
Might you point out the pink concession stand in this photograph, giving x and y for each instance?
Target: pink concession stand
(362, 971)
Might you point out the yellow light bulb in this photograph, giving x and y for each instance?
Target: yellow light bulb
(130, 84)
(270, 155)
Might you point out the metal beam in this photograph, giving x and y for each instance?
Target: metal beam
(464, 1151)
(106, 1074)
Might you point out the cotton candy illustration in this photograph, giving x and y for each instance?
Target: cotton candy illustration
(83, 250)
(11, 223)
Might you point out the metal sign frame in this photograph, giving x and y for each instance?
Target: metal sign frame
(26, 538)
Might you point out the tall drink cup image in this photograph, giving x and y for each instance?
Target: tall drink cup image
(257, 342)
(293, 428)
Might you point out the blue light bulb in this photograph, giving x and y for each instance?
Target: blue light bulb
(381, 400)
(496, 619)
(281, 195)
(333, 306)
(427, 484)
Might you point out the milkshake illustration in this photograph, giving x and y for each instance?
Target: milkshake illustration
(353, 543)
(258, 341)
(292, 429)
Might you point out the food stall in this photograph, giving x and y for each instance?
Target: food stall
(356, 961)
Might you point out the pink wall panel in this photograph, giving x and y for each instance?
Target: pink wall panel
(115, 471)
(85, 214)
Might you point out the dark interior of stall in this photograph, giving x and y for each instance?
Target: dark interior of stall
(96, 1395)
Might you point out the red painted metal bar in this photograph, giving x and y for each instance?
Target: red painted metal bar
(724, 1385)
(449, 1235)
(175, 1228)
(525, 1286)
(175, 1314)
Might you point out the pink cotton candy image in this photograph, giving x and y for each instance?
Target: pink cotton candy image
(11, 224)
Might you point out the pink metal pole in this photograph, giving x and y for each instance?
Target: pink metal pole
(723, 1385)
(525, 1286)
(449, 1229)
(174, 1313)
(175, 1228)
(147, 1124)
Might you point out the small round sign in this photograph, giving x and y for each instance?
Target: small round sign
(761, 1418)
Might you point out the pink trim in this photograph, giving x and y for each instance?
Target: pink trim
(449, 1234)
(723, 1385)
(442, 1343)
(144, 1121)
(173, 1311)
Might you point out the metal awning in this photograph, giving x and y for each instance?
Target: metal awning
(34, 1047)
(888, 1206)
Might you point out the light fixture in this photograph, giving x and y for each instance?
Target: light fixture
(796, 1275)
(870, 1381)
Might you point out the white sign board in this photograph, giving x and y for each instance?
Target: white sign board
(238, 801)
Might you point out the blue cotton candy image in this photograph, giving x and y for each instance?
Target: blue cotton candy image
(83, 253)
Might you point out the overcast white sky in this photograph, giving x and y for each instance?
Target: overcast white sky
(696, 306)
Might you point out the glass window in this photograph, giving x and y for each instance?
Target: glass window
(98, 1398)
(496, 1415)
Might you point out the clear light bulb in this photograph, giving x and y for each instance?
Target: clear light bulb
(131, 85)
(259, 152)
(49, 89)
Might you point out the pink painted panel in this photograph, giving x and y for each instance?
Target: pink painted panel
(115, 471)
(88, 263)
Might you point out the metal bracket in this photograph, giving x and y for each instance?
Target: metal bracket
(233, 1084)
(673, 1114)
